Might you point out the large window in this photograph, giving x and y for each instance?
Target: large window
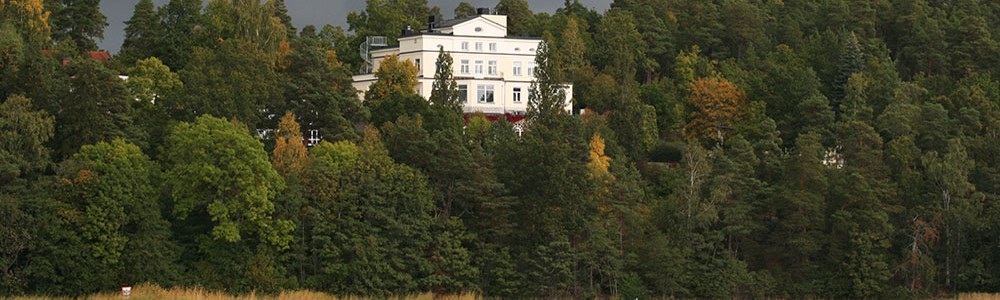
(463, 93)
(484, 92)
(531, 69)
(517, 95)
(464, 67)
(492, 68)
(479, 67)
(517, 68)
(479, 46)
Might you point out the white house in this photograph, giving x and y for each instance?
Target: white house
(493, 71)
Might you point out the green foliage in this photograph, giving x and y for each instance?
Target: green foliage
(236, 81)
(520, 19)
(111, 189)
(376, 242)
(77, 21)
(143, 33)
(97, 110)
(319, 91)
(24, 132)
(723, 149)
(216, 167)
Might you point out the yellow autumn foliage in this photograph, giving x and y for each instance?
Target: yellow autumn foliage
(290, 153)
(599, 162)
(29, 14)
(394, 76)
(717, 104)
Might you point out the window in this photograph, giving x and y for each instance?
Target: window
(484, 92)
(517, 68)
(479, 67)
(419, 67)
(313, 138)
(517, 95)
(464, 67)
(492, 67)
(493, 47)
(465, 46)
(531, 69)
(463, 93)
(479, 46)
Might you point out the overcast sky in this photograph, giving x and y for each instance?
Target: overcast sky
(316, 12)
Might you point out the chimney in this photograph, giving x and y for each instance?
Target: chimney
(483, 11)
(431, 23)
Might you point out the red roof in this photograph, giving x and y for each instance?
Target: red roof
(99, 55)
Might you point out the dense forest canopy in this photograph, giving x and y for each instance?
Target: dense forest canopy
(726, 148)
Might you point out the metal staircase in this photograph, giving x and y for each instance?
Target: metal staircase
(366, 55)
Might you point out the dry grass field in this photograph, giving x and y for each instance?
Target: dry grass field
(979, 296)
(151, 292)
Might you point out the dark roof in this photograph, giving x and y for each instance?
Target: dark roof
(453, 22)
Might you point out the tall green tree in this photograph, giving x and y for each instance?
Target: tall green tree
(79, 22)
(143, 32)
(319, 91)
(520, 19)
(376, 245)
(464, 9)
(237, 81)
(217, 168)
(97, 110)
(444, 91)
(110, 185)
(181, 21)
(222, 188)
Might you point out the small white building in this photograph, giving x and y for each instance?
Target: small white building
(493, 71)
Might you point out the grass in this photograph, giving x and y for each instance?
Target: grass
(150, 292)
(978, 296)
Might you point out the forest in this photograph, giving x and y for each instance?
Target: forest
(716, 149)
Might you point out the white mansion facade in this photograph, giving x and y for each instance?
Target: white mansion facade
(493, 71)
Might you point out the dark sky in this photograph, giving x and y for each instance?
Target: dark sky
(316, 12)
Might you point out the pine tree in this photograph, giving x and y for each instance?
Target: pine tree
(79, 22)
(98, 110)
(142, 33)
(444, 91)
(546, 99)
(281, 12)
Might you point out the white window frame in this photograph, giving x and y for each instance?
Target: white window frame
(517, 95)
(531, 69)
(493, 47)
(463, 93)
(485, 93)
(491, 68)
(479, 46)
(465, 46)
(479, 67)
(464, 67)
(517, 69)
